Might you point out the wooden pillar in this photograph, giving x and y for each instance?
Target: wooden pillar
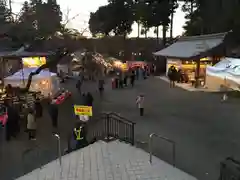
(197, 73)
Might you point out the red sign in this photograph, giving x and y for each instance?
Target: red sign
(132, 64)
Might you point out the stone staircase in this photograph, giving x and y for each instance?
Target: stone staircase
(108, 161)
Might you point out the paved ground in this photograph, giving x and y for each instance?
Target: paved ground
(205, 129)
(108, 161)
(13, 162)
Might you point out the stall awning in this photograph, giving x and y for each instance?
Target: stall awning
(192, 46)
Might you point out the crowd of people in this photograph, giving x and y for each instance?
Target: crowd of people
(126, 78)
(78, 135)
(27, 119)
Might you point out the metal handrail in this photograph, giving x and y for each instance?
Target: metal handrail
(165, 139)
(59, 148)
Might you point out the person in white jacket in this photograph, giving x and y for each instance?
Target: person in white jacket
(31, 125)
(140, 104)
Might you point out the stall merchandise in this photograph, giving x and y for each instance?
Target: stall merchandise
(225, 74)
(61, 97)
(46, 82)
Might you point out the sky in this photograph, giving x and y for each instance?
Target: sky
(78, 11)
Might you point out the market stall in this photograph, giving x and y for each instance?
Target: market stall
(45, 82)
(225, 74)
(191, 54)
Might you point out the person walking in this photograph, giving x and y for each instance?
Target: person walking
(31, 125)
(79, 86)
(12, 124)
(89, 99)
(53, 112)
(101, 86)
(38, 108)
(140, 104)
(132, 78)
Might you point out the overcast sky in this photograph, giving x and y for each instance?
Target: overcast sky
(80, 9)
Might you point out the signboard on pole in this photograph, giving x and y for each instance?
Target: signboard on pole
(83, 110)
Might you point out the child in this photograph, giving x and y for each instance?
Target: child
(31, 125)
(140, 104)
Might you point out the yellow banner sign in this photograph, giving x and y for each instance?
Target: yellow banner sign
(83, 110)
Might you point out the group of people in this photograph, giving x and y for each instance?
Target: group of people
(123, 79)
(36, 112)
(175, 75)
(29, 117)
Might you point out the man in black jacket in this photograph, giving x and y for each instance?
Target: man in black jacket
(53, 112)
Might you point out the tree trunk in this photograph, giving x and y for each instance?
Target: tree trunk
(157, 33)
(191, 6)
(138, 29)
(164, 31)
(171, 25)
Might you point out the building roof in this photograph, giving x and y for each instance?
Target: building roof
(5, 54)
(102, 161)
(192, 46)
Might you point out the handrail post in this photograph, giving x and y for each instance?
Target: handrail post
(59, 148)
(166, 139)
(133, 133)
(150, 147)
(174, 153)
(108, 119)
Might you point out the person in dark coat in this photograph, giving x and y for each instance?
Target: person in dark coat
(38, 108)
(89, 99)
(172, 75)
(79, 86)
(132, 78)
(53, 112)
(12, 125)
(101, 86)
(78, 137)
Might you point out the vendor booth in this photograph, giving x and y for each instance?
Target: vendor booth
(45, 82)
(192, 55)
(224, 75)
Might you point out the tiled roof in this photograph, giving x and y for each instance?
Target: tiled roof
(192, 46)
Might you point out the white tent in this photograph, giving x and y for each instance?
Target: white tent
(226, 73)
(46, 82)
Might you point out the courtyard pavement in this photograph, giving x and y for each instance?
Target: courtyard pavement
(20, 155)
(205, 130)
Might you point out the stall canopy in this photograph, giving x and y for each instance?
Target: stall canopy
(192, 46)
(224, 73)
(45, 82)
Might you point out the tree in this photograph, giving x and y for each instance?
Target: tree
(116, 17)
(174, 6)
(6, 22)
(24, 27)
(101, 21)
(157, 14)
(49, 18)
(124, 18)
